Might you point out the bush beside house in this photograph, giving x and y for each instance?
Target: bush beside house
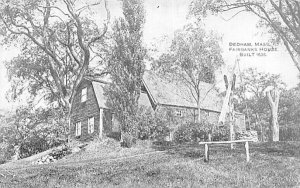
(194, 132)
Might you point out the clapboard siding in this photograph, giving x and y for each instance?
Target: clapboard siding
(190, 115)
(187, 115)
(81, 111)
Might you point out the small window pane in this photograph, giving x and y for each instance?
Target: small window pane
(83, 94)
(91, 122)
(78, 129)
(179, 113)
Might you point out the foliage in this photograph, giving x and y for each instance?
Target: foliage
(289, 133)
(281, 18)
(33, 131)
(128, 140)
(194, 57)
(126, 65)
(56, 41)
(289, 114)
(192, 132)
(221, 133)
(289, 108)
(151, 125)
(251, 100)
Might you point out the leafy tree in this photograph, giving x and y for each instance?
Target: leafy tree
(193, 58)
(289, 114)
(251, 95)
(126, 65)
(281, 17)
(29, 131)
(56, 40)
(289, 107)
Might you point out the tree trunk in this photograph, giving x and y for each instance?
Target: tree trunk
(274, 126)
(261, 133)
(68, 132)
(231, 124)
(199, 111)
(258, 119)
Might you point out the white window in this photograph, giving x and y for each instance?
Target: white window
(78, 129)
(179, 113)
(91, 122)
(83, 94)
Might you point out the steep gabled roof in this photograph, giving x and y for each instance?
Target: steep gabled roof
(175, 94)
(99, 92)
(164, 92)
(99, 84)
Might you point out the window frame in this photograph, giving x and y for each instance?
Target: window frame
(78, 128)
(91, 127)
(83, 95)
(179, 113)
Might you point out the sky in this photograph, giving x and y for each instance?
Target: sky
(164, 17)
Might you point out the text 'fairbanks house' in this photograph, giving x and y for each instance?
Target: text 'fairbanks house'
(91, 118)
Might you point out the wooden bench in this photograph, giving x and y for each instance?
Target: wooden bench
(206, 149)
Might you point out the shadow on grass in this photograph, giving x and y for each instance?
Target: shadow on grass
(194, 150)
(287, 149)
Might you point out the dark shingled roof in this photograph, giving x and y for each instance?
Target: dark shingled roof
(176, 94)
(167, 93)
(98, 85)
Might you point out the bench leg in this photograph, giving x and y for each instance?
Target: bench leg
(206, 153)
(247, 151)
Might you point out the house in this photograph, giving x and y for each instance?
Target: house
(90, 117)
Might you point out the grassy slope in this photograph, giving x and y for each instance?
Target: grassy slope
(272, 165)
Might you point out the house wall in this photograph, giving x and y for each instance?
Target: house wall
(180, 115)
(81, 111)
(191, 114)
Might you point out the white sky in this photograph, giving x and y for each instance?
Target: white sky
(164, 17)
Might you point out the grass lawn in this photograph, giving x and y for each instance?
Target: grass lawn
(271, 165)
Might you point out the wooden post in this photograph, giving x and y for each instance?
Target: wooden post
(247, 151)
(101, 124)
(209, 136)
(231, 124)
(206, 148)
(206, 151)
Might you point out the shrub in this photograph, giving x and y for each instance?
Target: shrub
(220, 133)
(32, 131)
(128, 140)
(289, 133)
(60, 153)
(6, 152)
(35, 144)
(151, 125)
(192, 132)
